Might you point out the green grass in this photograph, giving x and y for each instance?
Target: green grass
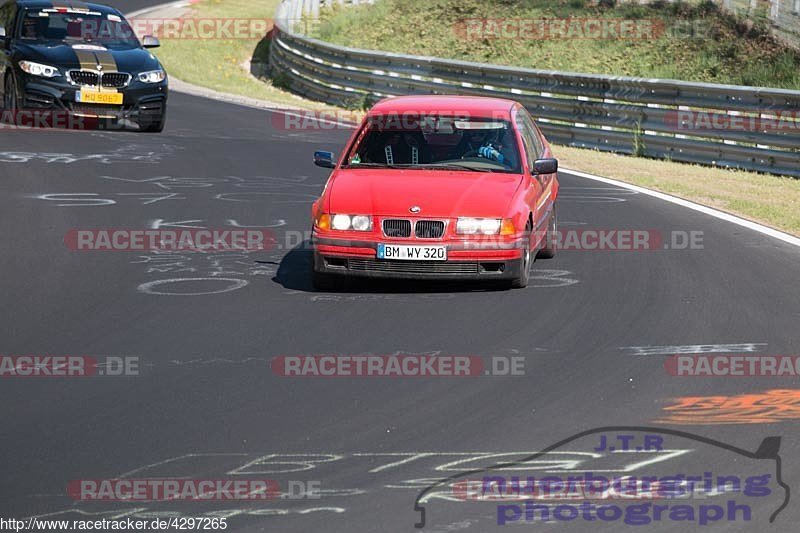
(734, 52)
(219, 63)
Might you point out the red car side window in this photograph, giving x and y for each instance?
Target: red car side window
(532, 148)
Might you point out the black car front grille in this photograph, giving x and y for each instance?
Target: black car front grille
(412, 267)
(429, 229)
(83, 77)
(393, 227)
(112, 80)
(115, 80)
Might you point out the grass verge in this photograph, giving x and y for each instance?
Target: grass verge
(691, 39)
(223, 64)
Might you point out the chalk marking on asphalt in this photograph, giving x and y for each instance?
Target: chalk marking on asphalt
(785, 237)
(150, 286)
(287, 463)
(178, 458)
(550, 278)
(695, 348)
(411, 457)
(274, 224)
(304, 465)
(226, 196)
(157, 223)
(69, 196)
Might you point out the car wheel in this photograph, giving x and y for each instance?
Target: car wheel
(153, 126)
(521, 281)
(9, 95)
(549, 250)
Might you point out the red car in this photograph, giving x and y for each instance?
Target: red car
(437, 187)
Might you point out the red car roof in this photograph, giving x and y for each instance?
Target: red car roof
(478, 106)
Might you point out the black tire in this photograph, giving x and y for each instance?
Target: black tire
(521, 281)
(324, 282)
(551, 239)
(153, 126)
(10, 104)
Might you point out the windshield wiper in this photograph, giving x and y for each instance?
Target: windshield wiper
(456, 166)
(374, 165)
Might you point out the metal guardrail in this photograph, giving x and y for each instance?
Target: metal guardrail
(611, 113)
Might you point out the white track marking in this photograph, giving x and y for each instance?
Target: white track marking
(785, 237)
(695, 348)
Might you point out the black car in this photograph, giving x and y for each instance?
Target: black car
(81, 60)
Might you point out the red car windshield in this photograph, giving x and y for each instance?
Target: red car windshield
(436, 142)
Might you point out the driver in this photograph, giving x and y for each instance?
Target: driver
(33, 27)
(487, 144)
(471, 141)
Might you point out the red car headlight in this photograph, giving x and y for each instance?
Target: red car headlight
(478, 226)
(351, 222)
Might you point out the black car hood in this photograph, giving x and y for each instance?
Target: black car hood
(87, 55)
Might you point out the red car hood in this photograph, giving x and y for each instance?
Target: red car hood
(438, 193)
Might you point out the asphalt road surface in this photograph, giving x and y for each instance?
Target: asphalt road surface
(593, 329)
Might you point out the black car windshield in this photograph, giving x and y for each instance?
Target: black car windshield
(107, 30)
(436, 142)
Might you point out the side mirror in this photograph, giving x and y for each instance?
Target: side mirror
(545, 166)
(148, 41)
(324, 159)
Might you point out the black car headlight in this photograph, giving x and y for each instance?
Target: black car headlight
(152, 76)
(37, 69)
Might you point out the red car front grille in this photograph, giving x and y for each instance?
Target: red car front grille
(393, 227)
(429, 229)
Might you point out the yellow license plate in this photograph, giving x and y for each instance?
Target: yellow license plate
(96, 97)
